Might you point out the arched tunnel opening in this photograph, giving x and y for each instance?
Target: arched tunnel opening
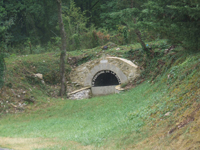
(105, 78)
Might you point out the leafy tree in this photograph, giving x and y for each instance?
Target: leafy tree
(108, 17)
(2, 69)
(117, 12)
(177, 20)
(92, 10)
(75, 24)
(126, 13)
(5, 24)
(34, 21)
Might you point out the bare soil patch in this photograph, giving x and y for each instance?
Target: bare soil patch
(25, 143)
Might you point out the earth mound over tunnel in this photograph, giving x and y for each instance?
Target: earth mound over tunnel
(104, 74)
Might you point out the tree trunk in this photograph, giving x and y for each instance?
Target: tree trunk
(63, 50)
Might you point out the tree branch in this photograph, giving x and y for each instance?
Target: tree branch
(94, 4)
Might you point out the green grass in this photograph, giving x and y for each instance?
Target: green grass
(96, 121)
(134, 119)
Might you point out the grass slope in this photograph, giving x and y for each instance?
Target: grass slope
(97, 121)
(161, 113)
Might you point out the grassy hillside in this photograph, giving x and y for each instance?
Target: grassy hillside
(161, 112)
(22, 87)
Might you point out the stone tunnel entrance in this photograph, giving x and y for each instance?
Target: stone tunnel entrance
(104, 82)
(102, 76)
(105, 78)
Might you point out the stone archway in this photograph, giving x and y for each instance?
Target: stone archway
(101, 68)
(105, 78)
(103, 75)
(104, 82)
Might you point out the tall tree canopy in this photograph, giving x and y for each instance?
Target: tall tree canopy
(35, 22)
(177, 20)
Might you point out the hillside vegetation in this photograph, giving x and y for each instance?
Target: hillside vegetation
(160, 112)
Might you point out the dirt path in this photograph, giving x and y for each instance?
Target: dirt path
(36, 143)
(25, 143)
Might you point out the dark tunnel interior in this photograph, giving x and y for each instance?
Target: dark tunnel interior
(106, 79)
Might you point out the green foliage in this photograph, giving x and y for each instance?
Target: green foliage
(190, 66)
(5, 24)
(79, 35)
(93, 10)
(33, 21)
(124, 85)
(108, 17)
(176, 20)
(2, 69)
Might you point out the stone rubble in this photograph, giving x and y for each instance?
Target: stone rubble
(84, 94)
